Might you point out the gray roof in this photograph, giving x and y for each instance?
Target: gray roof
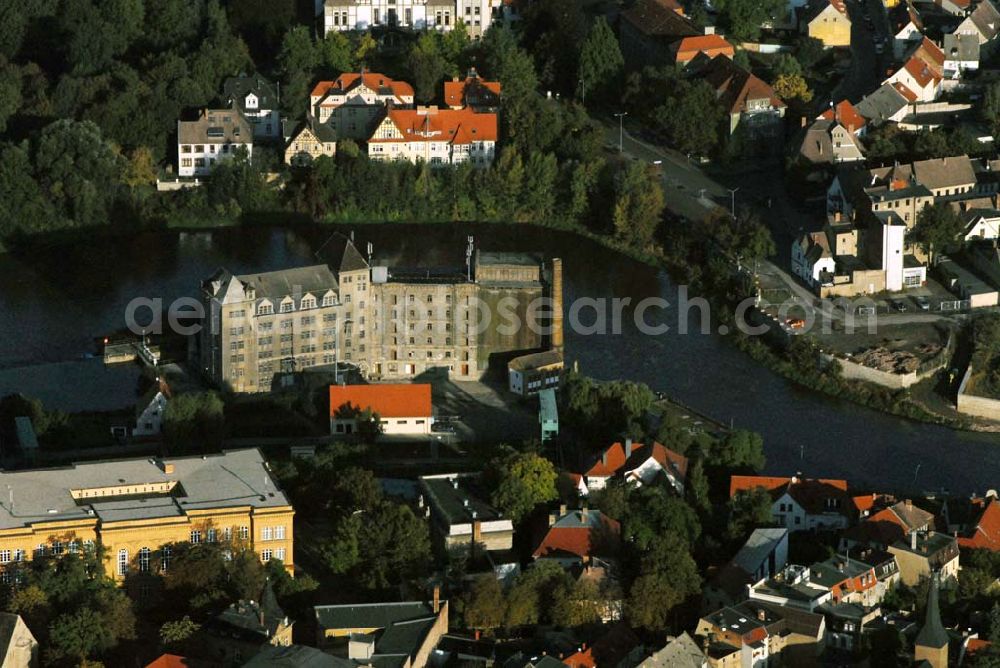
(216, 126)
(987, 19)
(961, 46)
(341, 254)
(276, 285)
(233, 478)
(882, 104)
(324, 132)
(455, 497)
(520, 660)
(932, 634)
(760, 544)
(945, 172)
(255, 618)
(519, 259)
(370, 615)
(296, 656)
(836, 569)
(236, 89)
(681, 652)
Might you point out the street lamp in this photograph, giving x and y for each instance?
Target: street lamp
(732, 194)
(621, 131)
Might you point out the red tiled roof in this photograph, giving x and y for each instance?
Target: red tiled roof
(931, 55)
(596, 535)
(811, 494)
(455, 91)
(921, 73)
(175, 661)
(845, 113)
(986, 534)
(735, 85)
(614, 460)
(711, 45)
(608, 650)
(905, 92)
(746, 483)
(389, 401)
(975, 645)
(372, 80)
(455, 126)
(864, 502)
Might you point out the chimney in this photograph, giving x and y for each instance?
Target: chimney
(562, 509)
(584, 513)
(166, 467)
(628, 448)
(604, 458)
(477, 634)
(557, 304)
(761, 615)
(803, 121)
(437, 599)
(908, 503)
(836, 217)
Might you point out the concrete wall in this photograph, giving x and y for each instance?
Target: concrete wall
(970, 404)
(855, 371)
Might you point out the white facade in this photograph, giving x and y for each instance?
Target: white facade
(266, 122)
(808, 270)
(150, 421)
(893, 241)
(647, 471)
(416, 425)
(787, 512)
(437, 137)
(200, 159)
(339, 15)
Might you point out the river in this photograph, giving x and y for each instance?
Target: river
(53, 304)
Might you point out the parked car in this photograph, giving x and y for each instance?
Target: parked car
(923, 303)
(795, 323)
(899, 305)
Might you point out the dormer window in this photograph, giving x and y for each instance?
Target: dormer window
(329, 300)
(265, 309)
(287, 306)
(308, 302)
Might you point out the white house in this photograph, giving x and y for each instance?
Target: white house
(401, 408)
(441, 15)
(983, 22)
(353, 102)
(149, 422)
(800, 504)
(215, 136)
(257, 98)
(982, 224)
(907, 27)
(918, 79)
(436, 136)
(961, 54)
(637, 464)
(812, 258)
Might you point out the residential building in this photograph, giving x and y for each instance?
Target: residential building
(826, 142)
(619, 646)
(917, 81)
(763, 555)
(402, 408)
(883, 527)
(310, 140)
(383, 634)
(846, 115)
(638, 464)
(846, 624)
(649, 28)
(353, 103)
(953, 7)
(474, 92)
(18, 647)
(985, 534)
(533, 373)
(439, 15)
(827, 21)
(749, 103)
(215, 136)
(687, 49)
(983, 22)
(907, 28)
(931, 646)
(150, 411)
(961, 54)
(924, 554)
(812, 259)
(679, 652)
(461, 514)
(135, 508)
(258, 101)
(755, 634)
(580, 537)
(849, 581)
(885, 105)
(244, 629)
(981, 224)
(435, 136)
(800, 504)
(388, 325)
(792, 588)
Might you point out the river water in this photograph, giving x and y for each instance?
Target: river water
(55, 302)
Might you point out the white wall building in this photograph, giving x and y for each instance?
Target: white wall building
(442, 15)
(216, 135)
(436, 136)
(257, 98)
(150, 419)
(351, 104)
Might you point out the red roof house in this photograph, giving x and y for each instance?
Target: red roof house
(578, 536)
(401, 408)
(687, 48)
(986, 534)
(638, 463)
(801, 503)
(472, 91)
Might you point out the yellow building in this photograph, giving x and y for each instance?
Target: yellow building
(827, 21)
(135, 507)
(310, 141)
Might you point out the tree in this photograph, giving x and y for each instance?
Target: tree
(336, 54)
(575, 603)
(601, 60)
(691, 120)
(745, 18)
(739, 449)
(381, 547)
(427, 66)
(139, 170)
(809, 51)
(356, 489)
(484, 604)
(523, 604)
(696, 487)
(792, 87)
(522, 481)
(175, 633)
(650, 600)
(194, 418)
(748, 510)
(638, 205)
(990, 109)
(786, 64)
(937, 228)
(297, 61)
(10, 92)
